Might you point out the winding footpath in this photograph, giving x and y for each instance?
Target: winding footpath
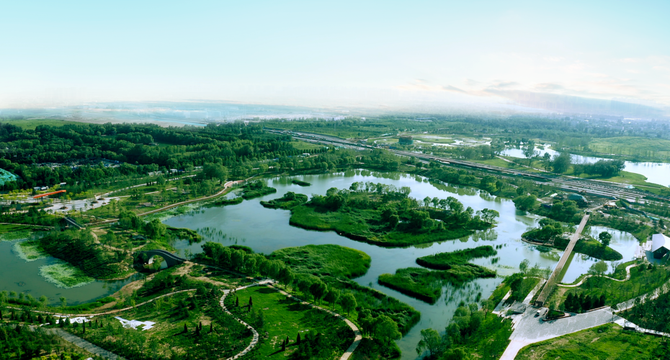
(347, 354)
(606, 277)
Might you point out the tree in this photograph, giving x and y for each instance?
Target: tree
(155, 229)
(386, 330)
(599, 268)
(63, 301)
(529, 151)
(318, 290)
(605, 238)
(524, 265)
(561, 163)
(215, 171)
(332, 296)
(348, 302)
(431, 341)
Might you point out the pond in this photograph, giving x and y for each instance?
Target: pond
(17, 274)
(656, 173)
(267, 230)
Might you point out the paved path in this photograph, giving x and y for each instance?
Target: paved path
(553, 279)
(530, 329)
(606, 277)
(254, 340)
(76, 340)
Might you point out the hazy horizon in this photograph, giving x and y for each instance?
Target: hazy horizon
(573, 57)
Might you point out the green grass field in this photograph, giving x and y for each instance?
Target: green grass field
(283, 318)
(632, 147)
(325, 260)
(603, 342)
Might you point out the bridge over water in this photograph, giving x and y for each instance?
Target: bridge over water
(557, 275)
(170, 258)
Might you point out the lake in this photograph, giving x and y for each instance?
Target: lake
(656, 173)
(266, 230)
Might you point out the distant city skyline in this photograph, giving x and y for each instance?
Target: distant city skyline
(339, 54)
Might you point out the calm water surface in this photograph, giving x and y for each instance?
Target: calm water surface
(656, 173)
(20, 275)
(267, 230)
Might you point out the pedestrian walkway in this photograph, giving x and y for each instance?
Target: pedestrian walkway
(93, 349)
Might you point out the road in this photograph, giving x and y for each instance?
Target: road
(594, 187)
(530, 329)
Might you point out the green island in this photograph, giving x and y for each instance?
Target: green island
(300, 182)
(426, 285)
(551, 234)
(324, 260)
(384, 215)
(286, 202)
(256, 189)
(446, 260)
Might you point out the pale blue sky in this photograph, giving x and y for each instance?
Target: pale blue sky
(332, 52)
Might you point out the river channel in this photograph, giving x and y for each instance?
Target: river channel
(267, 230)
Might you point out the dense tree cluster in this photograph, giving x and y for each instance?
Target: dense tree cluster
(73, 153)
(582, 302)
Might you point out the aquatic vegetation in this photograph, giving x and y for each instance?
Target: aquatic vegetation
(64, 275)
(30, 250)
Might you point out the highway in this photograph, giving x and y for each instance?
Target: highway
(593, 187)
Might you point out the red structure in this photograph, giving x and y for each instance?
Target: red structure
(47, 194)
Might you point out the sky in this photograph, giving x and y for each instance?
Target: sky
(332, 53)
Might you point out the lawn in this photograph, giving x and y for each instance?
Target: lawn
(649, 149)
(282, 318)
(324, 260)
(603, 342)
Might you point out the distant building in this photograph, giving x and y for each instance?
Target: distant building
(660, 245)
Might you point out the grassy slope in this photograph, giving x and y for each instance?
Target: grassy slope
(603, 342)
(284, 317)
(329, 260)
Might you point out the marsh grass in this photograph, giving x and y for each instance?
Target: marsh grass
(64, 275)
